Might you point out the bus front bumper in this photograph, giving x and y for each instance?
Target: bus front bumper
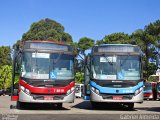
(158, 95)
(135, 99)
(148, 96)
(23, 97)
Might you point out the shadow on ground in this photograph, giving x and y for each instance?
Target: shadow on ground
(152, 109)
(104, 106)
(39, 106)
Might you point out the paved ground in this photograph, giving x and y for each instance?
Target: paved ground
(78, 110)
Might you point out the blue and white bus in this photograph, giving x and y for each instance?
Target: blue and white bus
(113, 74)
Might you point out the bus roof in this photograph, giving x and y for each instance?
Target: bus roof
(47, 45)
(45, 41)
(116, 48)
(116, 45)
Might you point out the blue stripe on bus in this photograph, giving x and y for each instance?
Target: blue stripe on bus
(86, 97)
(110, 90)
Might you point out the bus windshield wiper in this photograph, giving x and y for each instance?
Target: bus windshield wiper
(36, 64)
(58, 58)
(124, 60)
(107, 59)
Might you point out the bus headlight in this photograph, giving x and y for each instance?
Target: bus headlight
(95, 90)
(138, 91)
(70, 90)
(27, 91)
(21, 87)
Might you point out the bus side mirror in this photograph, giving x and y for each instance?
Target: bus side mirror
(15, 92)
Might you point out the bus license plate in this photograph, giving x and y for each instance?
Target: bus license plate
(48, 97)
(117, 97)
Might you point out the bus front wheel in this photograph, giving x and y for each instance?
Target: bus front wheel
(130, 106)
(20, 105)
(59, 105)
(95, 105)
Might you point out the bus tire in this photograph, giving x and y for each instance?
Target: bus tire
(95, 105)
(59, 105)
(130, 106)
(20, 105)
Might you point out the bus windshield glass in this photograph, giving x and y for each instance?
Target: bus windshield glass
(115, 67)
(147, 86)
(54, 66)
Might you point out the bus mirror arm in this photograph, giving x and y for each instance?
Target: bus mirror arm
(88, 67)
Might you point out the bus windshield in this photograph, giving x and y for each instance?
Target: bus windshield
(115, 67)
(54, 66)
(147, 86)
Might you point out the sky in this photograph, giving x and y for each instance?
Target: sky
(80, 18)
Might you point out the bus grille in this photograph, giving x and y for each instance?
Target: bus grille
(41, 97)
(110, 96)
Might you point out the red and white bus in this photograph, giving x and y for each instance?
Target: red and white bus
(150, 92)
(158, 85)
(46, 75)
(158, 90)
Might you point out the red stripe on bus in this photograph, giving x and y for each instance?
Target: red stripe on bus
(147, 94)
(14, 98)
(45, 90)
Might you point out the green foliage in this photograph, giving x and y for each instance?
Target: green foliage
(153, 79)
(47, 29)
(5, 77)
(153, 28)
(79, 77)
(5, 56)
(17, 45)
(148, 39)
(151, 68)
(115, 38)
(84, 44)
(75, 47)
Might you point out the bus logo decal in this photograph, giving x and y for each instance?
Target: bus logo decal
(53, 75)
(120, 76)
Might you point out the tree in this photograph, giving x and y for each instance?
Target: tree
(79, 77)
(46, 29)
(80, 48)
(5, 77)
(84, 44)
(115, 38)
(151, 68)
(17, 45)
(5, 56)
(154, 30)
(148, 43)
(75, 47)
